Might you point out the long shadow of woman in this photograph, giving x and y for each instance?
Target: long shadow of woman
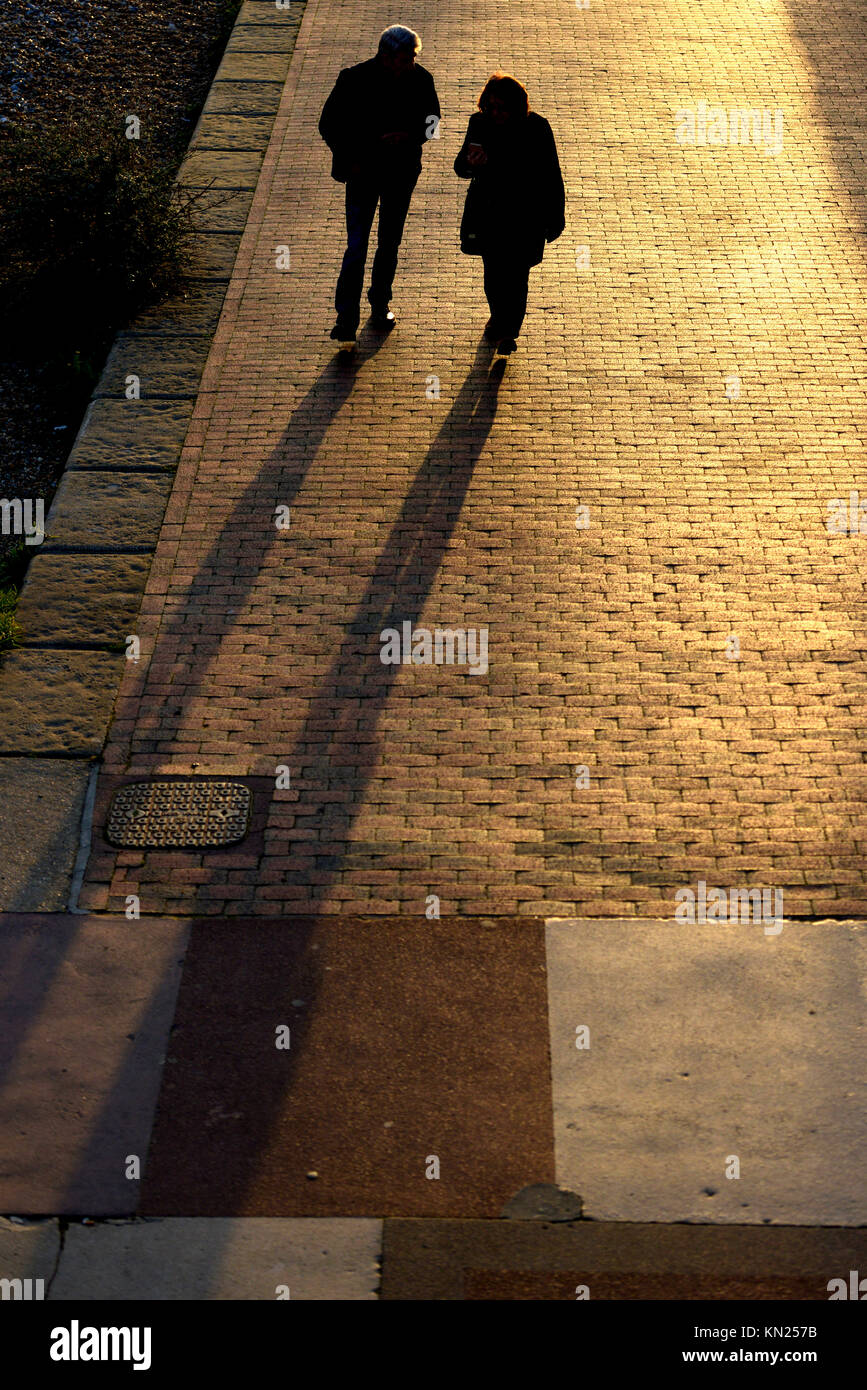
(338, 746)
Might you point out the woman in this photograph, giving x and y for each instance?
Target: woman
(515, 202)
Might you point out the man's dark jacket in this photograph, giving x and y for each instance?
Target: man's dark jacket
(366, 103)
(516, 202)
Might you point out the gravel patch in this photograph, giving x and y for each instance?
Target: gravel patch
(152, 58)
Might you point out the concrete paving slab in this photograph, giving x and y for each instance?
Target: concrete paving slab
(243, 98)
(254, 67)
(263, 38)
(107, 510)
(41, 802)
(415, 1080)
(210, 1258)
(84, 1021)
(169, 367)
(131, 434)
(221, 168)
(616, 1260)
(224, 210)
(236, 132)
(713, 1049)
(213, 256)
(57, 702)
(266, 12)
(29, 1252)
(197, 308)
(82, 600)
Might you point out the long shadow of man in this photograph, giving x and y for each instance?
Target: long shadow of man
(338, 746)
(204, 615)
(199, 1164)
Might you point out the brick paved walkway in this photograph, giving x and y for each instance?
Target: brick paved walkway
(682, 267)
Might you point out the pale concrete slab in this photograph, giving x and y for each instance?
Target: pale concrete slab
(235, 132)
(266, 12)
(216, 1258)
(131, 434)
(41, 802)
(263, 38)
(57, 702)
(709, 1043)
(213, 256)
(107, 511)
(197, 307)
(81, 600)
(29, 1252)
(165, 367)
(254, 67)
(243, 98)
(221, 168)
(84, 1020)
(221, 211)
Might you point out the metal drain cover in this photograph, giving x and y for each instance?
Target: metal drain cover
(179, 815)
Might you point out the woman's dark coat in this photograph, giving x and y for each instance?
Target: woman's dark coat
(516, 202)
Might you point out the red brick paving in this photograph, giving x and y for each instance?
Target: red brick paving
(607, 644)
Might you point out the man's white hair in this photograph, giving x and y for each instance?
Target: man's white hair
(398, 39)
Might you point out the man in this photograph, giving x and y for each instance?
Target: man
(375, 122)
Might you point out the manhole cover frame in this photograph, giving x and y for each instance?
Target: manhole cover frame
(238, 813)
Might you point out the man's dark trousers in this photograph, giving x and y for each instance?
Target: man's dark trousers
(393, 193)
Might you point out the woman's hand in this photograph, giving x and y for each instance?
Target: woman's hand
(476, 156)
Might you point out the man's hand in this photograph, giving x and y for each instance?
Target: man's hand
(476, 156)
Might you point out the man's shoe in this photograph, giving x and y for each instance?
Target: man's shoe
(506, 346)
(491, 332)
(382, 318)
(343, 332)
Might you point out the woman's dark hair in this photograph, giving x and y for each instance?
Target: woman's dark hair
(510, 91)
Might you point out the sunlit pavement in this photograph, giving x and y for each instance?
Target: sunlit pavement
(654, 512)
